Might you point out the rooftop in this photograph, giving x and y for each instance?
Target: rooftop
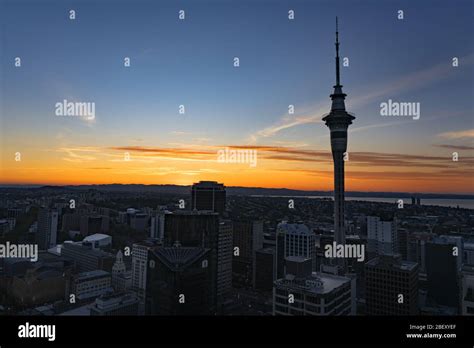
(317, 283)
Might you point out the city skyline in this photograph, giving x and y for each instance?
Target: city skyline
(282, 63)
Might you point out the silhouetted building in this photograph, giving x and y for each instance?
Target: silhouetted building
(179, 281)
(196, 229)
(224, 259)
(47, 232)
(443, 264)
(92, 224)
(208, 195)
(264, 269)
(391, 286)
(248, 238)
(402, 240)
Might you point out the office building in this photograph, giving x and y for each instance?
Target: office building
(298, 241)
(224, 259)
(264, 269)
(47, 232)
(179, 280)
(86, 258)
(139, 265)
(248, 238)
(381, 236)
(443, 264)
(91, 284)
(312, 293)
(208, 195)
(391, 286)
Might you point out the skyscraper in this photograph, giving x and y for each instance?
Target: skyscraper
(47, 228)
(391, 286)
(338, 120)
(208, 195)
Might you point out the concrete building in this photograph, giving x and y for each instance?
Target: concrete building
(307, 293)
(391, 286)
(298, 240)
(99, 241)
(87, 258)
(91, 284)
(112, 304)
(224, 259)
(381, 236)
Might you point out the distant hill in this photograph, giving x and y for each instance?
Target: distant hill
(235, 191)
(260, 191)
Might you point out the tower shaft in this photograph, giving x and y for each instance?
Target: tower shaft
(338, 121)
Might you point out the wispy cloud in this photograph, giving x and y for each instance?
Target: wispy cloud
(467, 133)
(392, 88)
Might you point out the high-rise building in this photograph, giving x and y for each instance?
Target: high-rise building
(381, 236)
(224, 259)
(139, 221)
(178, 281)
(443, 264)
(298, 240)
(302, 292)
(208, 195)
(47, 228)
(391, 286)
(196, 229)
(264, 269)
(402, 240)
(416, 251)
(157, 225)
(248, 238)
(139, 266)
(338, 121)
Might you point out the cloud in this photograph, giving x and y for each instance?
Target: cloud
(76, 157)
(207, 153)
(468, 133)
(455, 147)
(408, 82)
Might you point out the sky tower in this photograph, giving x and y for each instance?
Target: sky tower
(338, 120)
